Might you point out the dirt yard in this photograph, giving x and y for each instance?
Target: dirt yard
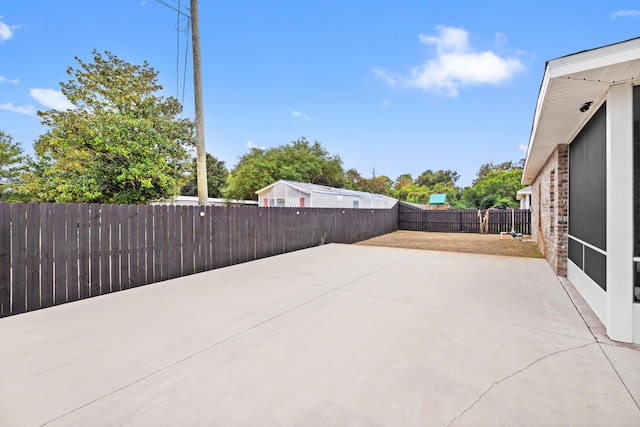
(488, 244)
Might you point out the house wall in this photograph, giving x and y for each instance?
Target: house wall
(549, 206)
(282, 195)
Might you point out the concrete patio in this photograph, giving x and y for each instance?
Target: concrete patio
(334, 335)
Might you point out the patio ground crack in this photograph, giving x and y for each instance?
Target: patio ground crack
(484, 393)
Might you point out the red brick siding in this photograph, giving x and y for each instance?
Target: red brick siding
(549, 209)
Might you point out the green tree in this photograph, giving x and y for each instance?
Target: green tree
(122, 143)
(497, 188)
(430, 178)
(380, 184)
(216, 178)
(300, 161)
(352, 177)
(11, 165)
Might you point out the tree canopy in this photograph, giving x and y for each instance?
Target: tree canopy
(300, 161)
(216, 178)
(11, 164)
(122, 143)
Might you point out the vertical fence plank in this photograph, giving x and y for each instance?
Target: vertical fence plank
(72, 252)
(132, 219)
(5, 259)
(143, 245)
(114, 220)
(95, 238)
(174, 259)
(187, 239)
(33, 256)
(199, 235)
(60, 252)
(84, 237)
(161, 247)
(19, 252)
(46, 255)
(151, 251)
(105, 250)
(125, 247)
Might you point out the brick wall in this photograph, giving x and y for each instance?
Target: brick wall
(549, 209)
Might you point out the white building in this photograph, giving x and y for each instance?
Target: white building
(211, 201)
(293, 194)
(524, 196)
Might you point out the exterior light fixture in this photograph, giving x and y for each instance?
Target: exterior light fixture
(585, 107)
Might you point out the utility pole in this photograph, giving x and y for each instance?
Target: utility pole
(201, 159)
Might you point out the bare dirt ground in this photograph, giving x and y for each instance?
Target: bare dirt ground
(488, 244)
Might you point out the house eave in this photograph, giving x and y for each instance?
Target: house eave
(568, 83)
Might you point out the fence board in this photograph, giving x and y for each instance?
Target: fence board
(84, 236)
(19, 258)
(5, 259)
(60, 252)
(114, 227)
(144, 245)
(150, 273)
(105, 250)
(174, 258)
(72, 252)
(33, 256)
(94, 245)
(132, 219)
(125, 246)
(156, 221)
(46, 255)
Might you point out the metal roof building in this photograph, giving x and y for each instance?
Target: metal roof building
(284, 193)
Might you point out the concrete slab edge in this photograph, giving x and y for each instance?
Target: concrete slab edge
(597, 328)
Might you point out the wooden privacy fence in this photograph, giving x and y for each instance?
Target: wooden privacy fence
(465, 221)
(56, 253)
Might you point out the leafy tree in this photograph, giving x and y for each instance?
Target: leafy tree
(352, 178)
(216, 178)
(378, 185)
(122, 143)
(504, 166)
(497, 188)
(430, 178)
(11, 165)
(300, 161)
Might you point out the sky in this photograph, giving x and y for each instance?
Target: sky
(391, 86)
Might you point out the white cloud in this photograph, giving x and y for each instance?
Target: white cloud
(6, 31)
(10, 81)
(28, 110)
(298, 114)
(386, 103)
(623, 13)
(251, 145)
(523, 148)
(52, 99)
(455, 65)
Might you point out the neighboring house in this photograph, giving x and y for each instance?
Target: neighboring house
(585, 179)
(438, 202)
(524, 196)
(285, 193)
(211, 201)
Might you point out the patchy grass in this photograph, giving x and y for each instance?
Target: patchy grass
(488, 244)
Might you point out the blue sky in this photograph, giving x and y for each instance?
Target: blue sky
(392, 86)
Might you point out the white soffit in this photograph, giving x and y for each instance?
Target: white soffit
(568, 83)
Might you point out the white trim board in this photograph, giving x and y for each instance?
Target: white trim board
(593, 294)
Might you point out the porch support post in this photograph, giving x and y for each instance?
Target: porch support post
(619, 201)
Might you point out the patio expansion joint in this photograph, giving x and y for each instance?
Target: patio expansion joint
(513, 374)
(224, 340)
